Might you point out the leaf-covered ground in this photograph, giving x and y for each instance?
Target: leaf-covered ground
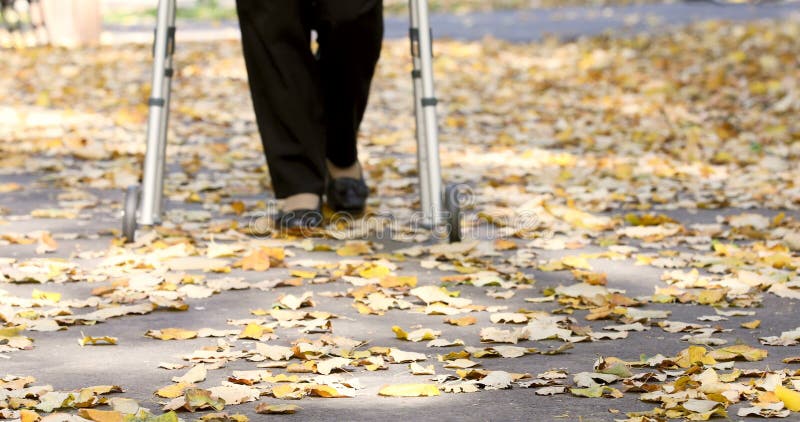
(632, 246)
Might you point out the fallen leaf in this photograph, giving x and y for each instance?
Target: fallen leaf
(276, 409)
(409, 390)
(196, 374)
(171, 334)
(790, 398)
(95, 341)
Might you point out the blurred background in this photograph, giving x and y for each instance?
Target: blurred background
(78, 22)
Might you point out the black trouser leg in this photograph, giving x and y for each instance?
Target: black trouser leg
(350, 37)
(309, 109)
(287, 97)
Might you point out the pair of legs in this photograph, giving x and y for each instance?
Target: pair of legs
(309, 106)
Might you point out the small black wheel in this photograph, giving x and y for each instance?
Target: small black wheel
(129, 213)
(452, 208)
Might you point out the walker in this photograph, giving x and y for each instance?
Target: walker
(143, 205)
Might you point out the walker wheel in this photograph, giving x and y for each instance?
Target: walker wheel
(129, 213)
(452, 207)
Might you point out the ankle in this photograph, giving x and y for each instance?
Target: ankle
(353, 171)
(301, 201)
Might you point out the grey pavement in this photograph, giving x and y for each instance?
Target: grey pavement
(57, 359)
(516, 26)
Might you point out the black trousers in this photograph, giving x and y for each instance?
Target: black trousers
(309, 106)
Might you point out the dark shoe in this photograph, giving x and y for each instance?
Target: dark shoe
(298, 220)
(347, 194)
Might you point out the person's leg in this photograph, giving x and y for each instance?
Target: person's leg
(286, 93)
(350, 37)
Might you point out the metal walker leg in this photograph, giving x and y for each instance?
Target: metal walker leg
(430, 178)
(146, 209)
(425, 113)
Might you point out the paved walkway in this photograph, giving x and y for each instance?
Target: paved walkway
(57, 359)
(518, 26)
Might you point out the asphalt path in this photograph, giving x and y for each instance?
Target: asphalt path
(516, 25)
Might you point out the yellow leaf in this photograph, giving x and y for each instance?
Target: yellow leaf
(354, 249)
(303, 274)
(101, 415)
(402, 335)
(694, 355)
(751, 354)
(578, 262)
(173, 390)
(9, 187)
(463, 321)
(262, 259)
(49, 296)
(374, 271)
(171, 334)
(253, 331)
(28, 416)
(238, 207)
(504, 245)
(409, 390)
(391, 281)
(416, 335)
(10, 331)
(287, 391)
(95, 341)
(364, 309)
(711, 296)
(752, 324)
(790, 398)
(324, 391)
(276, 409)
